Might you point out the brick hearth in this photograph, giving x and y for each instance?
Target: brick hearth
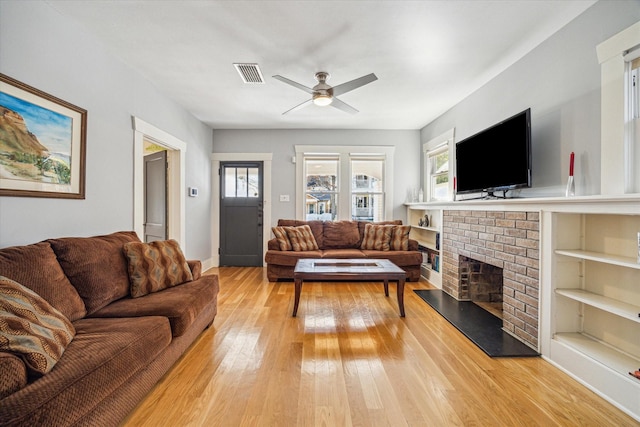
(509, 240)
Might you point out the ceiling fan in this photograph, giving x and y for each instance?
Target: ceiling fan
(323, 94)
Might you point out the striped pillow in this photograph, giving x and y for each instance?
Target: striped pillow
(31, 328)
(155, 266)
(283, 239)
(301, 238)
(400, 238)
(376, 237)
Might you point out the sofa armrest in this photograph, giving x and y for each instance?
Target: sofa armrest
(13, 374)
(196, 268)
(273, 245)
(413, 245)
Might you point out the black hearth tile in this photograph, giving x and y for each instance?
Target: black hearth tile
(481, 327)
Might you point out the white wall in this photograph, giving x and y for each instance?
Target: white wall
(560, 81)
(43, 49)
(281, 143)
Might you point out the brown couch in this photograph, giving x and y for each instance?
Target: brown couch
(338, 239)
(122, 345)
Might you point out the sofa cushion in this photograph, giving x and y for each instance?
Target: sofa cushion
(96, 266)
(301, 238)
(363, 224)
(180, 304)
(289, 258)
(155, 266)
(399, 238)
(36, 267)
(31, 328)
(341, 235)
(317, 228)
(376, 237)
(399, 258)
(342, 253)
(104, 355)
(281, 236)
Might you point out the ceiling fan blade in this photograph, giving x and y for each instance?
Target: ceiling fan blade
(294, 84)
(353, 84)
(299, 106)
(343, 106)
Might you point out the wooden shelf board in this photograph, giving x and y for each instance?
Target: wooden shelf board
(600, 257)
(603, 353)
(619, 308)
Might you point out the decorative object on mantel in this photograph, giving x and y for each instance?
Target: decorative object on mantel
(635, 374)
(571, 186)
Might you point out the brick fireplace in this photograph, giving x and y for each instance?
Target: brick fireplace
(504, 239)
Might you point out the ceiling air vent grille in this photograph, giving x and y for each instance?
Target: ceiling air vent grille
(250, 73)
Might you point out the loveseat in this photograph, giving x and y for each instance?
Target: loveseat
(342, 239)
(126, 332)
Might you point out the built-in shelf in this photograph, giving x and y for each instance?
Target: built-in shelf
(619, 308)
(437, 230)
(601, 352)
(601, 257)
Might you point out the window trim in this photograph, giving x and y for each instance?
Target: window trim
(345, 153)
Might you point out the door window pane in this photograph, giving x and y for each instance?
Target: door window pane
(241, 182)
(254, 183)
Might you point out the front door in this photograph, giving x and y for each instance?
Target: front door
(155, 196)
(241, 221)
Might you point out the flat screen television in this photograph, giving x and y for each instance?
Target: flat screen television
(497, 158)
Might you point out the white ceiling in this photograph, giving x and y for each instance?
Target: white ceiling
(427, 55)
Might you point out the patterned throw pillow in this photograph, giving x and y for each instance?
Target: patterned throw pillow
(283, 239)
(31, 328)
(301, 238)
(400, 238)
(155, 266)
(377, 237)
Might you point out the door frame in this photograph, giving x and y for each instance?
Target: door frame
(216, 158)
(176, 157)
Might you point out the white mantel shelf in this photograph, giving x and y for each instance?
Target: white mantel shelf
(623, 203)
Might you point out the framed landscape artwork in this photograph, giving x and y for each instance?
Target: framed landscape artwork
(42, 143)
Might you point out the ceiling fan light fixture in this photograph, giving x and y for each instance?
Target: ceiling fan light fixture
(322, 100)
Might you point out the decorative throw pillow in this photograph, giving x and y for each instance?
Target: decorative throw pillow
(376, 237)
(31, 328)
(301, 238)
(400, 238)
(155, 266)
(283, 239)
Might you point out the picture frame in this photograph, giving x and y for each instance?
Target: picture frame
(42, 143)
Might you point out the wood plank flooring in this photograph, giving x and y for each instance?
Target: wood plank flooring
(348, 359)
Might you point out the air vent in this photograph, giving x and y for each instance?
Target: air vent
(250, 73)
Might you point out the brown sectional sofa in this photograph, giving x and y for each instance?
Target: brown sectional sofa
(338, 239)
(122, 345)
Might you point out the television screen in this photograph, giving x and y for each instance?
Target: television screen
(497, 158)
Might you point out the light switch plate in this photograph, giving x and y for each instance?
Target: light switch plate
(284, 198)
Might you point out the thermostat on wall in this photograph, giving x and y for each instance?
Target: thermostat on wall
(193, 192)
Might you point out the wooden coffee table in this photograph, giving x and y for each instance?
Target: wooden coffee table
(318, 270)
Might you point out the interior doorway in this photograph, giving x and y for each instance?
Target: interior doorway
(176, 187)
(155, 192)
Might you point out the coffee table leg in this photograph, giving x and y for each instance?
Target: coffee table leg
(400, 292)
(296, 300)
(386, 288)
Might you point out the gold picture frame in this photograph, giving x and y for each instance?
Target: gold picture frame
(42, 143)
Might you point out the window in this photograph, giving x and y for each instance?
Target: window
(321, 193)
(438, 173)
(344, 183)
(367, 189)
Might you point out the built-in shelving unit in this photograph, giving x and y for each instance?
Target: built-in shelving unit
(595, 301)
(429, 239)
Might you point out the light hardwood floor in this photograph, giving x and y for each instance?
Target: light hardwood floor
(348, 359)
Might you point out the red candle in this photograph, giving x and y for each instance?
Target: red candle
(571, 164)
